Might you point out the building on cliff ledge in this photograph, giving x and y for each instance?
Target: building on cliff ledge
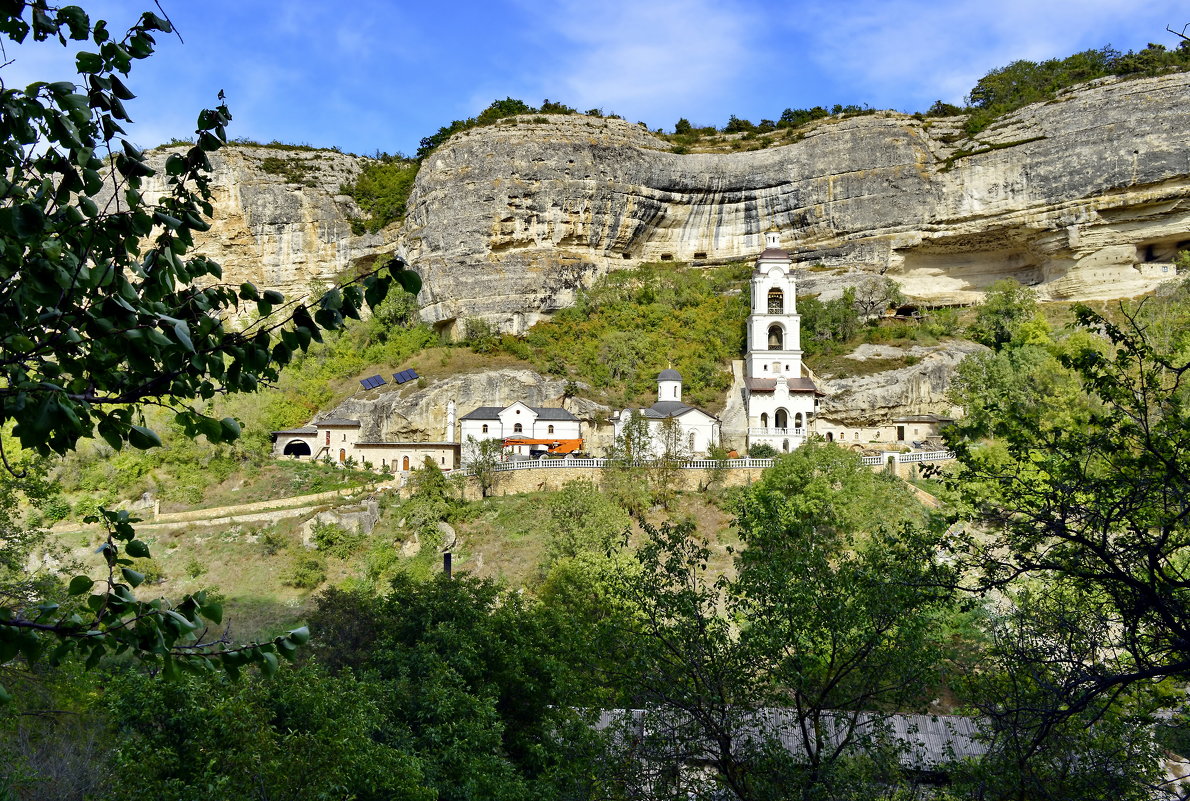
(780, 396)
(694, 431)
(338, 439)
(524, 430)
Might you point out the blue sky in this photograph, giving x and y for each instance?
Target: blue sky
(369, 75)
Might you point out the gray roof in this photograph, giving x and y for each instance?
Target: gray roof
(336, 421)
(302, 430)
(493, 413)
(669, 374)
(802, 384)
(662, 409)
(773, 253)
(926, 742)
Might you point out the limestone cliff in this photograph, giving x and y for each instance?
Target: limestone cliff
(409, 413)
(1071, 196)
(919, 388)
(1085, 196)
(280, 221)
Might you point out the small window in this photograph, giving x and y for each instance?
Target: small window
(700, 255)
(691, 440)
(1165, 268)
(485, 428)
(667, 257)
(518, 428)
(328, 438)
(344, 438)
(550, 429)
(776, 301)
(856, 435)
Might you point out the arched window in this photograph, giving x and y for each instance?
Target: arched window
(785, 445)
(830, 436)
(776, 338)
(328, 438)
(692, 442)
(342, 455)
(856, 435)
(776, 301)
(764, 419)
(405, 463)
(782, 419)
(485, 428)
(797, 420)
(518, 428)
(550, 430)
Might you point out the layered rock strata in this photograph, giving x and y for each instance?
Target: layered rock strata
(1083, 197)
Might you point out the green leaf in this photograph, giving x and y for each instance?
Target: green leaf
(268, 664)
(143, 438)
(301, 636)
(132, 577)
(213, 612)
(137, 549)
(182, 332)
(80, 584)
(409, 280)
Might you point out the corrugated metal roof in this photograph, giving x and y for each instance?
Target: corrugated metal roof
(924, 742)
(761, 384)
(302, 430)
(336, 421)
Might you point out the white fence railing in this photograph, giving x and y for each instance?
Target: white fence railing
(709, 464)
(776, 432)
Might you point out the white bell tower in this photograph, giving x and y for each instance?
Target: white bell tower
(774, 327)
(781, 400)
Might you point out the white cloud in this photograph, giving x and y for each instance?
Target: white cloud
(914, 47)
(638, 58)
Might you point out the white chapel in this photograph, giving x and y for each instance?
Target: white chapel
(781, 398)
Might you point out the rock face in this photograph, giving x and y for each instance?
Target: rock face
(1086, 196)
(1071, 196)
(917, 389)
(280, 221)
(419, 414)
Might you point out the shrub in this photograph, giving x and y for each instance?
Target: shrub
(307, 572)
(762, 450)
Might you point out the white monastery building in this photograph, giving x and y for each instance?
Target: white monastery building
(699, 430)
(780, 396)
(523, 429)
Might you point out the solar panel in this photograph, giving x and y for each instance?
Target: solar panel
(399, 378)
(378, 381)
(372, 382)
(364, 382)
(412, 374)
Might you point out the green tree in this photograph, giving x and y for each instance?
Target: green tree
(581, 519)
(311, 736)
(480, 681)
(483, 461)
(1005, 307)
(1099, 502)
(683, 126)
(104, 313)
